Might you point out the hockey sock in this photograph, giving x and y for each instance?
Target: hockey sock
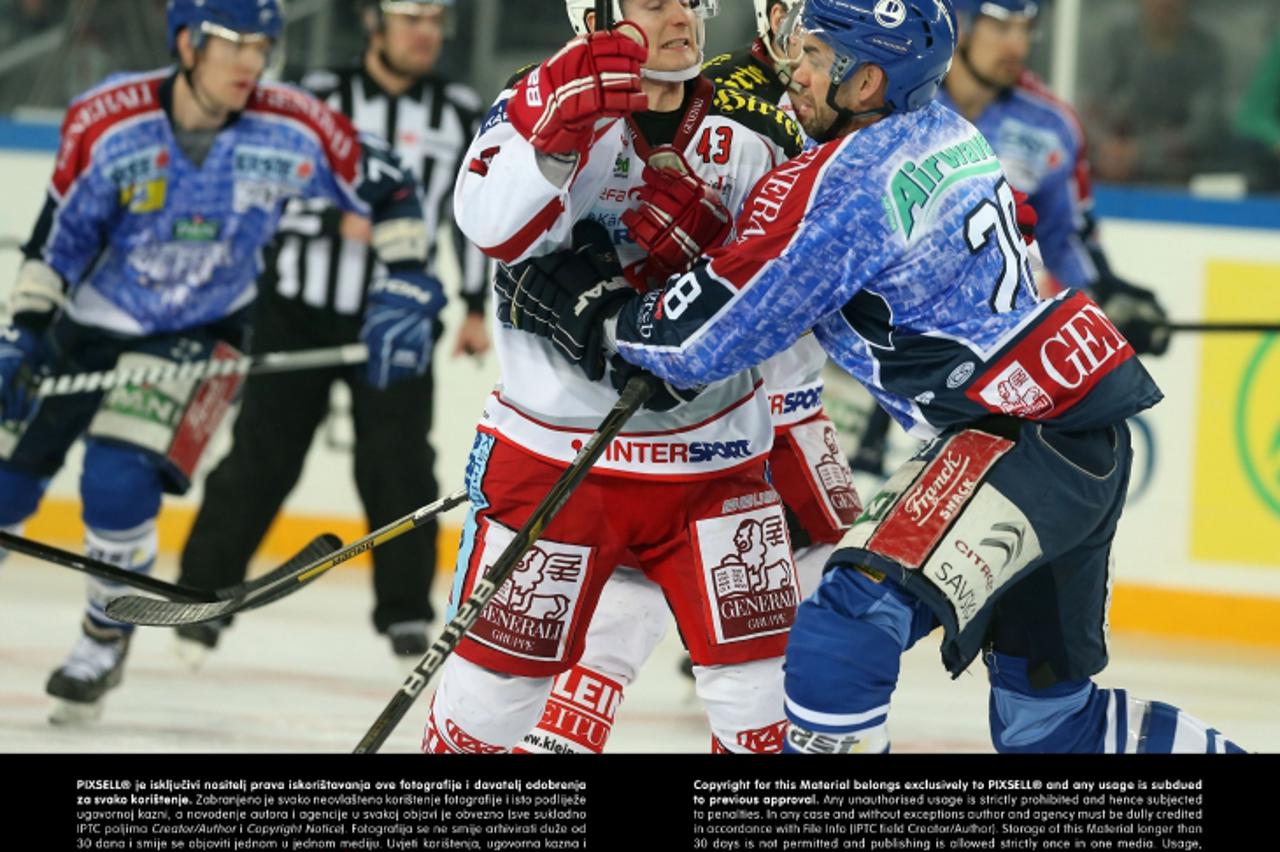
(478, 711)
(578, 717)
(1078, 717)
(743, 704)
(132, 549)
(843, 659)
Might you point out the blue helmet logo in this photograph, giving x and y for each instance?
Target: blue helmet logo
(891, 13)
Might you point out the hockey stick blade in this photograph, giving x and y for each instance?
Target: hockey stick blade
(637, 390)
(320, 547)
(133, 609)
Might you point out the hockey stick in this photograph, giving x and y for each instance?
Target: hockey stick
(604, 15)
(270, 362)
(633, 396)
(1237, 327)
(134, 609)
(318, 547)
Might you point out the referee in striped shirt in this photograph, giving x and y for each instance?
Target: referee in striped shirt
(312, 295)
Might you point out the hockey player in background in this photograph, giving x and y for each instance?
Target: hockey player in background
(759, 68)
(313, 296)
(681, 495)
(895, 241)
(166, 188)
(806, 467)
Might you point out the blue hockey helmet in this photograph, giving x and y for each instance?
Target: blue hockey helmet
(911, 40)
(259, 17)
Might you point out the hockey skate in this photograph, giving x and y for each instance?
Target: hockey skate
(77, 686)
(193, 642)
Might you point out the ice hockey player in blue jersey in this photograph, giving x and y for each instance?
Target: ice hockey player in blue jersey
(166, 187)
(895, 241)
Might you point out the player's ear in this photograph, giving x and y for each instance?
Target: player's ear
(186, 53)
(590, 20)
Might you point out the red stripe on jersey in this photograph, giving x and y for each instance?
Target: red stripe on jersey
(771, 216)
(537, 226)
(87, 121)
(338, 136)
(1055, 365)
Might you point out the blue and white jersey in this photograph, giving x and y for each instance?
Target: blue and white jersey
(1041, 146)
(898, 246)
(147, 242)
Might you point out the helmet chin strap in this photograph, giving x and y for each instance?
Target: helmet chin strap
(845, 116)
(673, 76)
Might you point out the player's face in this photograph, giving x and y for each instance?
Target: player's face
(230, 66)
(413, 41)
(998, 48)
(812, 77)
(672, 30)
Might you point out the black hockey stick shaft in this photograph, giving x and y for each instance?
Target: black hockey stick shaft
(174, 591)
(267, 362)
(633, 396)
(604, 15)
(1227, 327)
(103, 570)
(133, 609)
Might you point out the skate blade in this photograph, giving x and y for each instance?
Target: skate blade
(66, 712)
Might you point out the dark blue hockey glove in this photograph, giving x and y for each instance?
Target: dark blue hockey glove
(1136, 312)
(566, 296)
(399, 325)
(666, 396)
(19, 358)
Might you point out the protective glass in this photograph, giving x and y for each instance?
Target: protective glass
(818, 55)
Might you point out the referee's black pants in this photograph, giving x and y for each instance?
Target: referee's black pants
(279, 415)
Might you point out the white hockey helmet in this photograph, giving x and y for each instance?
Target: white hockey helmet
(768, 37)
(578, 9)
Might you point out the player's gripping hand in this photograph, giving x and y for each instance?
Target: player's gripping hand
(678, 218)
(665, 396)
(566, 296)
(595, 76)
(1137, 313)
(399, 325)
(19, 356)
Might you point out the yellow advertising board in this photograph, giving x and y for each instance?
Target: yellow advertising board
(1236, 504)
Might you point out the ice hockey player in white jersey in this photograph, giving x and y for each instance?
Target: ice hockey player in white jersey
(806, 467)
(681, 494)
(895, 241)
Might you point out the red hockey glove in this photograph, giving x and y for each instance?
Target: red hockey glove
(596, 76)
(1026, 216)
(679, 216)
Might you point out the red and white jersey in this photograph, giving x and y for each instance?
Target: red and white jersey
(515, 204)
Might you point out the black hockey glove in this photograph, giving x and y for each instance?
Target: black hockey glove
(566, 296)
(666, 397)
(1136, 312)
